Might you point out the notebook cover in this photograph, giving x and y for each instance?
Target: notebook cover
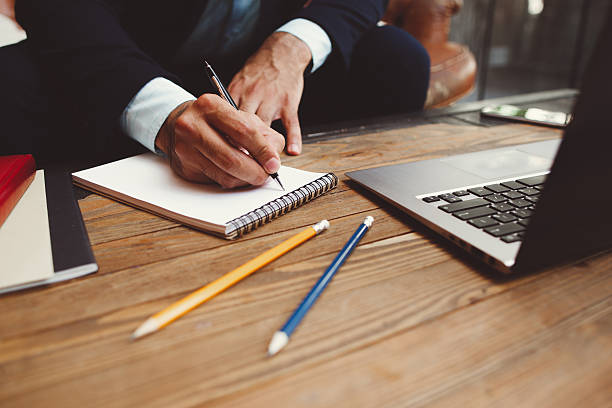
(72, 254)
(16, 174)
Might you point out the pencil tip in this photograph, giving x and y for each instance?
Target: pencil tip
(279, 340)
(149, 326)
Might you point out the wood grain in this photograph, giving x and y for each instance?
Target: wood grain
(408, 321)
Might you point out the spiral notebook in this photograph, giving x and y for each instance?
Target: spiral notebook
(147, 182)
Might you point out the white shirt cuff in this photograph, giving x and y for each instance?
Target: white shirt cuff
(314, 36)
(148, 110)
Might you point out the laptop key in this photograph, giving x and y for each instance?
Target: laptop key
(523, 213)
(463, 205)
(520, 203)
(449, 198)
(480, 191)
(502, 207)
(461, 193)
(533, 181)
(497, 188)
(483, 222)
(513, 194)
(533, 199)
(505, 217)
(430, 199)
(512, 237)
(512, 185)
(504, 229)
(496, 198)
(529, 191)
(524, 222)
(474, 213)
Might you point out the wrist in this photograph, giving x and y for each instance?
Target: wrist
(291, 47)
(165, 135)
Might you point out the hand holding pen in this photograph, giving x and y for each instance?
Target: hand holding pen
(199, 139)
(216, 82)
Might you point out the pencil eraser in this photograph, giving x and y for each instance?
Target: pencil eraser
(321, 226)
(368, 221)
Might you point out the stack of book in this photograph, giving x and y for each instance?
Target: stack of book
(39, 219)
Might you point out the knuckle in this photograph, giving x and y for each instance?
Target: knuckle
(266, 118)
(246, 125)
(252, 88)
(207, 101)
(184, 126)
(277, 141)
(263, 151)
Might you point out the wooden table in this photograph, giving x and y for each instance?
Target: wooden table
(408, 321)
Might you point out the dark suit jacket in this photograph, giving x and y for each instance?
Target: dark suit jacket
(97, 54)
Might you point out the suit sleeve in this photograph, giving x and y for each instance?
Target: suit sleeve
(344, 21)
(86, 55)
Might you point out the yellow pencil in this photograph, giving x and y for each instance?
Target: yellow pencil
(179, 308)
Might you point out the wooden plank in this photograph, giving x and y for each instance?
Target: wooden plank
(387, 287)
(405, 344)
(545, 343)
(170, 278)
(95, 206)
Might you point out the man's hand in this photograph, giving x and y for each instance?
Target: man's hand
(202, 140)
(271, 83)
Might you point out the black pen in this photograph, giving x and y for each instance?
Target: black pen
(214, 79)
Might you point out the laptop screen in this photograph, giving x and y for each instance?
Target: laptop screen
(574, 214)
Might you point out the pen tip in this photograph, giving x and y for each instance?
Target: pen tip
(279, 182)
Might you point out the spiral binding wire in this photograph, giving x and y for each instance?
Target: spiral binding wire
(248, 222)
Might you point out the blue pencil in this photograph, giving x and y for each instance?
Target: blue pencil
(281, 337)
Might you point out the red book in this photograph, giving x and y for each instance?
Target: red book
(16, 174)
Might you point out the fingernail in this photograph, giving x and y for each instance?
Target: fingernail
(272, 165)
(294, 148)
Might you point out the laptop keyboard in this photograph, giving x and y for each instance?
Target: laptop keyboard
(501, 210)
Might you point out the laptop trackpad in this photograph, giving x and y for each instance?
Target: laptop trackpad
(496, 165)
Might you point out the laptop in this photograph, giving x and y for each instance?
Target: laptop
(526, 207)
